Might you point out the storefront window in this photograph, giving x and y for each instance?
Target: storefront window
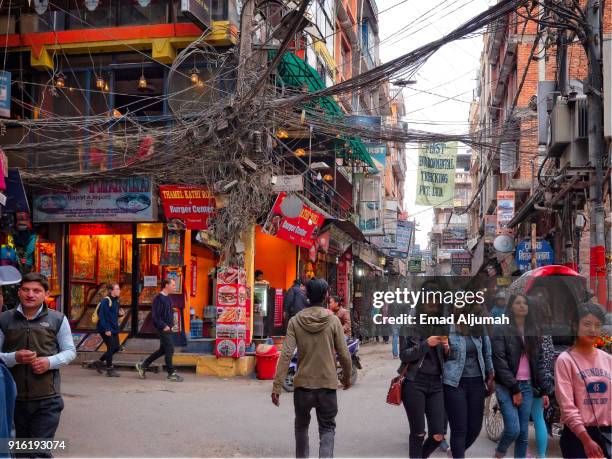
(150, 274)
(134, 13)
(149, 230)
(98, 254)
(88, 14)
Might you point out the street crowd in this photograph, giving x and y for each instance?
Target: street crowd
(445, 378)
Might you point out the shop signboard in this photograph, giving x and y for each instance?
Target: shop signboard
(545, 254)
(414, 265)
(461, 263)
(198, 11)
(5, 94)
(454, 236)
(371, 205)
(436, 174)
(490, 227)
(505, 210)
(342, 280)
(192, 204)
(378, 152)
(402, 239)
(301, 230)
(287, 183)
(118, 200)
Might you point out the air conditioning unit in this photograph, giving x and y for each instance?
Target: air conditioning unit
(577, 152)
(559, 127)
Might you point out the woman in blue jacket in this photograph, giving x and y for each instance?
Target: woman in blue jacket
(468, 377)
(108, 328)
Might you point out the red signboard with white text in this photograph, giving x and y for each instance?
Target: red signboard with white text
(194, 205)
(301, 230)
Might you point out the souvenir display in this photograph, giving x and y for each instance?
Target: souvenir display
(77, 338)
(83, 250)
(122, 339)
(175, 273)
(86, 322)
(109, 258)
(147, 295)
(46, 262)
(91, 342)
(77, 301)
(126, 256)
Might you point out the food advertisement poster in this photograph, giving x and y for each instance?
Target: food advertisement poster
(301, 230)
(232, 315)
(436, 174)
(118, 200)
(193, 205)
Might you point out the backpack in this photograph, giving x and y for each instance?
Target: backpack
(95, 318)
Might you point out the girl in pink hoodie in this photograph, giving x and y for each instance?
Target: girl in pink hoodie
(582, 387)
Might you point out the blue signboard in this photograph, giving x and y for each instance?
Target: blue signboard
(378, 152)
(545, 254)
(5, 94)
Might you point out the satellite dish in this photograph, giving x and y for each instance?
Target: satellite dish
(504, 243)
(292, 206)
(9, 275)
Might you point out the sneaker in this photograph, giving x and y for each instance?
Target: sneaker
(98, 365)
(141, 371)
(174, 377)
(112, 373)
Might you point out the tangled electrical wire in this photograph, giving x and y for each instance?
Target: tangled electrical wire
(216, 123)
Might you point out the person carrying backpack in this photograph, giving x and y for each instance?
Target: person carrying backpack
(108, 311)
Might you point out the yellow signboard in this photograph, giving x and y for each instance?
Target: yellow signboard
(436, 174)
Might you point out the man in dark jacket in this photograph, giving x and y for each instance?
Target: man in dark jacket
(163, 318)
(318, 335)
(36, 341)
(295, 300)
(108, 328)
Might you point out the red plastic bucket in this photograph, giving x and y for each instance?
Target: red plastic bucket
(266, 365)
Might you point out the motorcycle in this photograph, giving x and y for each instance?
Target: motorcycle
(353, 347)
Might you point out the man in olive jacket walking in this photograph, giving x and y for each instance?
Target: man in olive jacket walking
(318, 335)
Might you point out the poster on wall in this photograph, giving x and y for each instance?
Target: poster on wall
(118, 200)
(301, 230)
(231, 301)
(436, 174)
(194, 276)
(5, 94)
(490, 227)
(191, 204)
(83, 250)
(175, 273)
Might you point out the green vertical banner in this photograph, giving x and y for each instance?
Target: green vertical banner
(436, 174)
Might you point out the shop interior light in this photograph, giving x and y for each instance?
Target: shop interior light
(60, 80)
(100, 83)
(359, 272)
(116, 113)
(194, 75)
(142, 82)
(299, 152)
(282, 134)
(319, 176)
(106, 87)
(328, 177)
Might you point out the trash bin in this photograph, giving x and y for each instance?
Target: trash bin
(266, 357)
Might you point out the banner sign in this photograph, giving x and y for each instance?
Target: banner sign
(454, 236)
(414, 265)
(378, 152)
(194, 205)
(198, 11)
(505, 210)
(370, 206)
(5, 94)
(231, 301)
(302, 230)
(461, 263)
(490, 227)
(436, 174)
(545, 254)
(288, 183)
(117, 200)
(402, 239)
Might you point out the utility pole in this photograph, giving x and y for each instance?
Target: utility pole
(594, 92)
(246, 44)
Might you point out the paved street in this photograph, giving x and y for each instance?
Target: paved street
(215, 417)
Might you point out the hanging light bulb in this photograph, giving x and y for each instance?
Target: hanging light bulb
(100, 83)
(60, 80)
(142, 82)
(195, 75)
(328, 177)
(319, 176)
(106, 88)
(116, 113)
(299, 152)
(282, 134)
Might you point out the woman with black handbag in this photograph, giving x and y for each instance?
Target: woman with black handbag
(422, 393)
(582, 387)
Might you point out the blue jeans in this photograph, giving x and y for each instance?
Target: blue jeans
(395, 343)
(516, 419)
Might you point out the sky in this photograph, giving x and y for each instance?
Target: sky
(451, 72)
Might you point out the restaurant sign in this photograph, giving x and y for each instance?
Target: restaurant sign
(193, 205)
(118, 200)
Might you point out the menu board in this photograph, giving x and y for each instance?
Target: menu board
(231, 300)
